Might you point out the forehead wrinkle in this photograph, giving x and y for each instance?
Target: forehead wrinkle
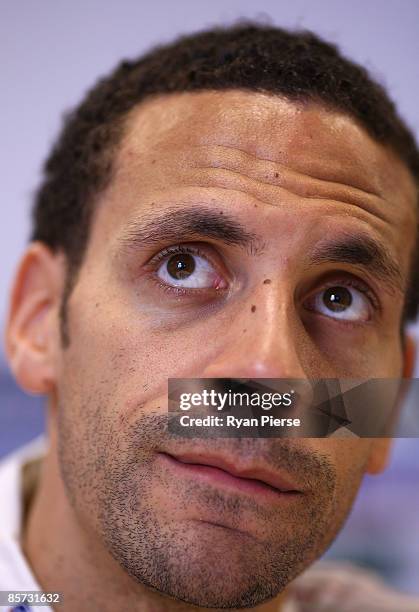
(280, 176)
(272, 195)
(208, 125)
(245, 159)
(295, 190)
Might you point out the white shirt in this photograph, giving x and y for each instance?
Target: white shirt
(15, 573)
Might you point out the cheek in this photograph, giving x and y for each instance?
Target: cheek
(116, 366)
(350, 458)
(346, 453)
(114, 345)
(355, 354)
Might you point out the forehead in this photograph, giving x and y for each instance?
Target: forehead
(234, 148)
(304, 137)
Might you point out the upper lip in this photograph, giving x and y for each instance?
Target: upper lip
(262, 473)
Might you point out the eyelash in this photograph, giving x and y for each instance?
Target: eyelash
(349, 281)
(173, 250)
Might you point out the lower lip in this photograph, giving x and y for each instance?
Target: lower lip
(222, 479)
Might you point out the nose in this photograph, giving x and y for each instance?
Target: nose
(264, 340)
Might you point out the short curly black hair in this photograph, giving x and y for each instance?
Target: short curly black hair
(247, 56)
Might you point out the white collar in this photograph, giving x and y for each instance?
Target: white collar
(15, 572)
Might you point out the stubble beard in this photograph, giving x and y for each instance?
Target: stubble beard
(197, 562)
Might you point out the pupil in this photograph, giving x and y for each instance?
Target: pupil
(181, 266)
(337, 298)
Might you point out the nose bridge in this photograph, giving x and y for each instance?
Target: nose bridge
(262, 339)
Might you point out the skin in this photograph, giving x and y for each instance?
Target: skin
(113, 525)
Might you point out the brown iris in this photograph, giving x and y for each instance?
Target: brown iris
(337, 298)
(181, 266)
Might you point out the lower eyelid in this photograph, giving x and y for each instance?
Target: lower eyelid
(175, 290)
(345, 324)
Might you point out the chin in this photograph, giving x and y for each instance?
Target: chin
(216, 567)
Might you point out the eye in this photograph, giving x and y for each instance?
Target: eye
(189, 270)
(340, 302)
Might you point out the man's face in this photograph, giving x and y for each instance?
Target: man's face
(241, 236)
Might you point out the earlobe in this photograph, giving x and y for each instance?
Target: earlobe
(31, 326)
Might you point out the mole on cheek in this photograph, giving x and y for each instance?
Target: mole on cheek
(267, 281)
(253, 309)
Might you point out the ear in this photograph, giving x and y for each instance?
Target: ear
(32, 327)
(381, 447)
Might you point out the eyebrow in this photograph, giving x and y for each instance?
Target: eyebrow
(196, 222)
(189, 223)
(361, 250)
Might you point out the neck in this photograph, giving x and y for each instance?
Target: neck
(66, 558)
